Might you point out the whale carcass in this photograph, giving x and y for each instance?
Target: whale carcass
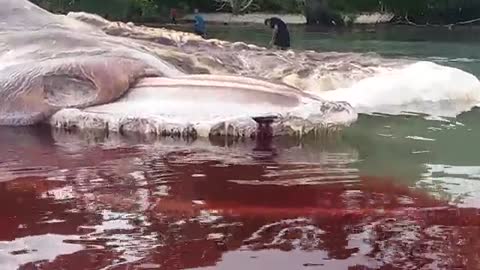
(71, 74)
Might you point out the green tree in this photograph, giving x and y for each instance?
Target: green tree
(420, 11)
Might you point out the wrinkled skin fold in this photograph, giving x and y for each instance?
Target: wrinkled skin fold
(75, 70)
(206, 105)
(50, 62)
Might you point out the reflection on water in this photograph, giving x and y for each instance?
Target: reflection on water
(71, 202)
(461, 184)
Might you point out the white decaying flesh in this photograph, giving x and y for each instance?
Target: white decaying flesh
(422, 87)
(220, 105)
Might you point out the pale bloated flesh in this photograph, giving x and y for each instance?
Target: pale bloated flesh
(209, 105)
(49, 62)
(370, 83)
(46, 68)
(56, 65)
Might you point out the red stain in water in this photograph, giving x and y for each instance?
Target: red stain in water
(303, 201)
(181, 212)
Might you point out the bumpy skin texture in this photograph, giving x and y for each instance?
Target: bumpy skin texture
(52, 62)
(208, 105)
(49, 62)
(32, 91)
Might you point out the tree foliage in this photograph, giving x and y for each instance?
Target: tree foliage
(422, 11)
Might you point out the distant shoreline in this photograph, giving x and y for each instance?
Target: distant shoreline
(259, 18)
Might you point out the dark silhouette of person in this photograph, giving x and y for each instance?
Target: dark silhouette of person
(173, 15)
(280, 35)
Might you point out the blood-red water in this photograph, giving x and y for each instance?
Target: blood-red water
(94, 203)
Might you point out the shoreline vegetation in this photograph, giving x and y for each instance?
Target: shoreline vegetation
(417, 13)
(259, 17)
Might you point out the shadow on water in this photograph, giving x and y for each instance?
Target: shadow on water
(70, 201)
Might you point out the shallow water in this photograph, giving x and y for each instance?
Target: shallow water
(391, 192)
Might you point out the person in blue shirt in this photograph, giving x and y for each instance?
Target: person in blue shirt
(199, 28)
